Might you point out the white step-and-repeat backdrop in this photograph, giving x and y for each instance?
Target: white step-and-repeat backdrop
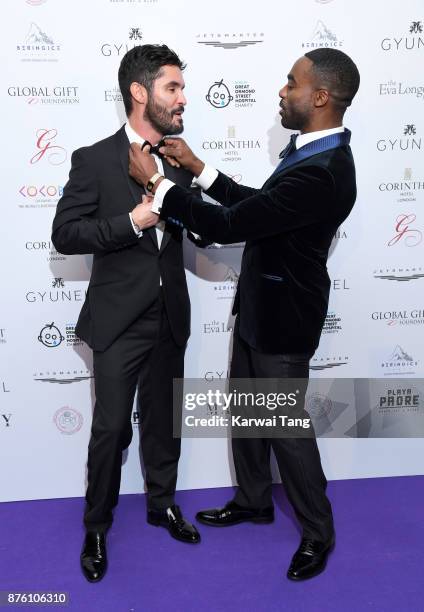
(59, 92)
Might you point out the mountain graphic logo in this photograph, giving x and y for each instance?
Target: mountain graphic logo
(400, 355)
(232, 276)
(36, 36)
(321, 32)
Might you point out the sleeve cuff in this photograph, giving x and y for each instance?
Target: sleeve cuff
(138, 232)
(207, 177)
(160, 193)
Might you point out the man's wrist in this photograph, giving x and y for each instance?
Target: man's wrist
(157, 183)
(153, 180)
(196, 167)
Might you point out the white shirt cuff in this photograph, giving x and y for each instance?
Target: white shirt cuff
(207, 177)
(137, 231)
(160, 193)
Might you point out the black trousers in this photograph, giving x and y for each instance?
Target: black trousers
(144, 356)
(298, 458)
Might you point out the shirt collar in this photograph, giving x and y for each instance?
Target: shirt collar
(133, 136)
(304, 139)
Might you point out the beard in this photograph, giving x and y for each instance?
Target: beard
(295, 119)
(161, 118)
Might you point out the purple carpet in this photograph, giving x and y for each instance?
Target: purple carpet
(377, 564)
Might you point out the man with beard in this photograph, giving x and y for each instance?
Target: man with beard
(283, 290)
(136, 316)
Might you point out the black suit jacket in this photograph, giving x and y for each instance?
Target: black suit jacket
(92, 217)
(289, 224)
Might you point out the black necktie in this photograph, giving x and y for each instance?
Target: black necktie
(154, 150)
(290, 148)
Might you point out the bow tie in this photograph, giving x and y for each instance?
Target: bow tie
(154, 150)
(290, 148)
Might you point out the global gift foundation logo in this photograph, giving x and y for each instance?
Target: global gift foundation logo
(411, 39)
(47, 148)
(35, 94)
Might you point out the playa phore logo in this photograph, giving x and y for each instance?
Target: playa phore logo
(64, 376)
(410, 40)
(231, 148)
(67, 420)
(399, 400)
(134, 38)
(47, 149)
(58, 293)
(399, 363)
(322, 36)
(409, 141)
(230, 40)
(44, 247)
(404, 189)
(50, 336)
(40, 196)
(38, 46)
(219, 95)
(325, 363)
(404, 233)
(32, 94)
(400, 275)
(332, 324)
(415, 316)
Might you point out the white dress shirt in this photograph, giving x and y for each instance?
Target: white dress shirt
(209, 174)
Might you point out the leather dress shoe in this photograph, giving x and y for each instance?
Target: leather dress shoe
(93, 556)
(173, 520)
(310, 559)
(232, 514)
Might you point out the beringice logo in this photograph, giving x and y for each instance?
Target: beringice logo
(404, 234)
(50, 336)
(219, 95)
(322, 36)
(228, 40)
(413, 39)
(38, 45)
(46, 149)
(399, 362)
(67, 420)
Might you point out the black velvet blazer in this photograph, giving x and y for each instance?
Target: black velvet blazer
(288, 226)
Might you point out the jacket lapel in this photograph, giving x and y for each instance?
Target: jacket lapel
(181, 177)
(137, 191)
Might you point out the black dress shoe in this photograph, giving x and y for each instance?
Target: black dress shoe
(173, 520)
(232, 514)
(310, 559)
(93, 556)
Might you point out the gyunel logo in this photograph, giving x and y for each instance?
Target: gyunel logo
(410, 40)
(407, 142)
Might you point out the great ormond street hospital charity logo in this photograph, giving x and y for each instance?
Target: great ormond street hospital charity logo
(219, 95)
(50, 336)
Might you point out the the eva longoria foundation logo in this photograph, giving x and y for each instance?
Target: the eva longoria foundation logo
(47, 149)
(322, 36)
(411, 39)
(230, 40)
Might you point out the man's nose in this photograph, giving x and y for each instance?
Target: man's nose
(182, 99)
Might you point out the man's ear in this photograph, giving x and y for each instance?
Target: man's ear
(321, 97)
(138, 92)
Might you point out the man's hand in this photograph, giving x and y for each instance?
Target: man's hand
(142, 165)
(178, 153)
(142, 215)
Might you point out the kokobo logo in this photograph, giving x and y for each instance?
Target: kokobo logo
(322, 36)
(400, 275)
(67, 420)
(230, 40)
(116, 49)
(219, 95)
(403, 232)
(406, 43)
(401, 144)
(55, 154)
(50, 336)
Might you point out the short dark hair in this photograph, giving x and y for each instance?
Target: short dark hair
(143, 65)
(338, 72)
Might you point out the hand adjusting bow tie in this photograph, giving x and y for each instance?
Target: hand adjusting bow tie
(290, 148)
(154, 150)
